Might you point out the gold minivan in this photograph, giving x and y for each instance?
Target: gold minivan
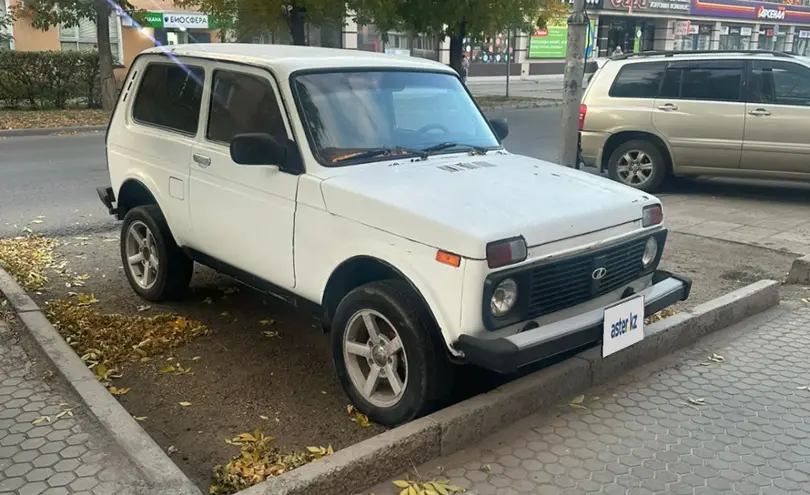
(650, 116)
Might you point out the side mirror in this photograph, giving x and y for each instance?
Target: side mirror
(257, 149)
(501, 128)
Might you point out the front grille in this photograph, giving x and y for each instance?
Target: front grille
(568, 282)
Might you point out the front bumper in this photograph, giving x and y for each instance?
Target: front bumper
(508, 354)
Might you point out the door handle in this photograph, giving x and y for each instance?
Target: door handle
(669, 107)
(202, 160)
(759, 112)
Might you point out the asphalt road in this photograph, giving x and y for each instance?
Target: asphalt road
(55, 177)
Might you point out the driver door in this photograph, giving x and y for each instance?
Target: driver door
(243, 215)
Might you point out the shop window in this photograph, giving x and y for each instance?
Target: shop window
(243, 103)
(84, 37)
(638, 81)
(169, 96)
(711, 80)
(779, 83)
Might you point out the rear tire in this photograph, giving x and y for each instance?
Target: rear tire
(639, 164)
(401, 373)
(156, 268)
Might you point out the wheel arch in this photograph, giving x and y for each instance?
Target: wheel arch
(615, 140)
(359, 270)
(133, 193)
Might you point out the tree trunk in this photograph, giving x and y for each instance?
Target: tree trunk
(572, 83)
(105, 58)
(296, 20)
(457, 47)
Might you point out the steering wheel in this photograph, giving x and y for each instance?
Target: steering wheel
(430, 127)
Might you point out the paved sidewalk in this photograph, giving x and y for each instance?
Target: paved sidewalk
(681, 425)
(68, 455)
(774, 217)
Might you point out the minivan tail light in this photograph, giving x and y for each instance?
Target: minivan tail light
(583, 109)
(506, 252)
(652, 215)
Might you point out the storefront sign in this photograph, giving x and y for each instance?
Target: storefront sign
(681, 28)
(590, 4)
(769, 13)
(742, 9)
(553, 41)
(676, 6)
(174, 20)
(804, 35)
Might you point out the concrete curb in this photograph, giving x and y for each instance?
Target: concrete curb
(520, 106)
(372, 461)
(50, 131)
(160, 472)
(799, 272)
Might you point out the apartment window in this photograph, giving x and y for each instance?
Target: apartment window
(84, 37)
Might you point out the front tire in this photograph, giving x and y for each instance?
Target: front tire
(388, 353)
(639, 164)
(156, 268)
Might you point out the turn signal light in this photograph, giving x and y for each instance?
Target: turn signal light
(652, 215)
(448, 258)
(506, 252)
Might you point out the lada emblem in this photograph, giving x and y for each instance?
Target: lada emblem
(599, 273)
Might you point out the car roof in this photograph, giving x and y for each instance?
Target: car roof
(285, 59)
(703, 55)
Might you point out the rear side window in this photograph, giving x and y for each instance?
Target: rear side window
(712, 80)
(169, 97)
(638, 80)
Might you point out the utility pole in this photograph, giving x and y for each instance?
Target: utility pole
(572, 82)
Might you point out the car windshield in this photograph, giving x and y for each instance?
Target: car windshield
(355, 117)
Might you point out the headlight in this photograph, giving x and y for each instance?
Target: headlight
(650, 252)
(504, 297)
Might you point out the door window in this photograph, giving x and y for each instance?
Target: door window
(243, 103)
(719, 80)
(780, 83)
(638, 81)
(170, 96)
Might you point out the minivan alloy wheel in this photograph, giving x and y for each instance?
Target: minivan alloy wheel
(635, 167)
(142, 255)
(375, 358)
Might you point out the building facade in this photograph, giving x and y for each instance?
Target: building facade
(628, 25)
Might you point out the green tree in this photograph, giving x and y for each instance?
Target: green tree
(454, 19)
(6, 20)
(47, 14)
(254, 17)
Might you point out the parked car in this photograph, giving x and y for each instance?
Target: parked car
(648, 116)
(372, 190)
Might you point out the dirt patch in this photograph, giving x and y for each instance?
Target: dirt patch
(718, 267)
(40, 119)
(265, 365)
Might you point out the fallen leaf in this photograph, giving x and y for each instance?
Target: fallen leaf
(264, 417)
(208, 300)
(41, 419)
(119, 391)
(578, 399)
(141, 309)
(358, 417)
(266, 322)
(141, 418)
(184, 404)
(171, 450)
(270, 334)
(697, 402)
(401, 484)
(716, 358)
(196, 358)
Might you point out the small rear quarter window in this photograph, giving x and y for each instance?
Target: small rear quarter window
(640, 80)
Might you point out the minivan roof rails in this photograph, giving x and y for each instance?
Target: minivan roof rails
(672, 53)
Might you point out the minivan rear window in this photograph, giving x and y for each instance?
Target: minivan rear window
(640, 80)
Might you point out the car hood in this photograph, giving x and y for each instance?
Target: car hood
(461, 203)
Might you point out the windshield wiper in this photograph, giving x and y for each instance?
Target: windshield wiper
(449, 144)
(380, 152)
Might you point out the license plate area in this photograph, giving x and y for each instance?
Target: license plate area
(623, 325)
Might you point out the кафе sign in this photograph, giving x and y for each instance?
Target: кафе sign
(741, 9)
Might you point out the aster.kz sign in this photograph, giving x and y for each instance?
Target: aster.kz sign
(741, 9)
